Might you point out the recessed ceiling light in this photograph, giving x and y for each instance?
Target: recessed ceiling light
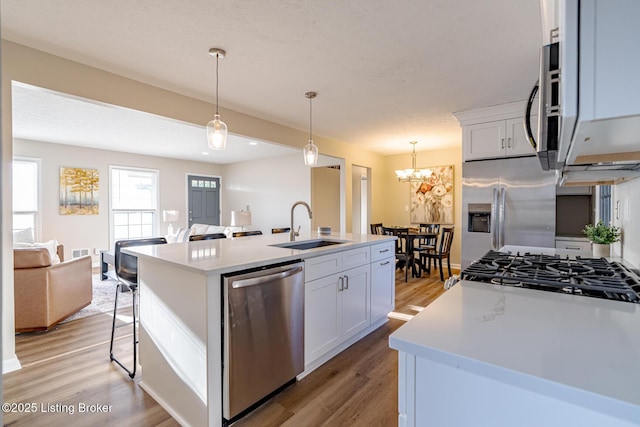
(253, 143)
(206, 153)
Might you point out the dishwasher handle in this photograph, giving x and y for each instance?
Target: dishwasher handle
(243, 283)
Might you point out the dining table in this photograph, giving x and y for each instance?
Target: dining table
(414, 234)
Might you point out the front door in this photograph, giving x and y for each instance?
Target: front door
(204, 200)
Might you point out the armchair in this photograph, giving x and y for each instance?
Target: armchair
(46, 293)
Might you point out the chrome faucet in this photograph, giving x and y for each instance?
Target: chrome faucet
(294, 233)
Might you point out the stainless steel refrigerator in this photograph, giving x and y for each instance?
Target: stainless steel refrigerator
(506, 202)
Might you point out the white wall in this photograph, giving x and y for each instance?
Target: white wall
(627, 198)
(269, 187)
(92, 231)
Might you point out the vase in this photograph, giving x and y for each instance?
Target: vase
(600, 250)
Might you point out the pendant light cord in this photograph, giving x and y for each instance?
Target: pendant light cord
(310, 118)
(217, 62)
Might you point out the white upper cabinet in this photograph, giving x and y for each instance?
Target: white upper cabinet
(495, 132)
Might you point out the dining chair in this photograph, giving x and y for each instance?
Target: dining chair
(126, 269)
(426, 244)
(280, 230)
(443, 251)
(404, 253)
(210, 236)
(376, 228)
(246, 233)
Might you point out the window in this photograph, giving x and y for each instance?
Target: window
(134, 203)
(26, 195)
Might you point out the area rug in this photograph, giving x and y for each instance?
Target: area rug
(104, 292)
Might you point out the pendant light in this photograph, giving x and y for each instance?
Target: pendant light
(216, 128)
(310, 152)
(413, 174)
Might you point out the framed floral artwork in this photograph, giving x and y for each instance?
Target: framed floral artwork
(432, 198)
(79, 191)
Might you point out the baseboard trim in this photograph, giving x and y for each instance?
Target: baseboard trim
(11, 364)
(340, 348)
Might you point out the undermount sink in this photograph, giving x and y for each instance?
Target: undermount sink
(309, 244)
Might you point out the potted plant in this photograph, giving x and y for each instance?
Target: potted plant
(602, 236)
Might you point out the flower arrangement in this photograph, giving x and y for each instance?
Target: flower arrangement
(602, 234)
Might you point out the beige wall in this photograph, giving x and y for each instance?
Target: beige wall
(325, 193)
(397, 197)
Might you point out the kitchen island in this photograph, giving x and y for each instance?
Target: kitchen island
(181, 309)
(485, 354)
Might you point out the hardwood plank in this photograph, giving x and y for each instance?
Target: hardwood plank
(69, 365)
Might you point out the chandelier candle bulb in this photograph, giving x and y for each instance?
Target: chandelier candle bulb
(413, 174)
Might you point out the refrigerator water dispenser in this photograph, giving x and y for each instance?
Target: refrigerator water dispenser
(479, 218)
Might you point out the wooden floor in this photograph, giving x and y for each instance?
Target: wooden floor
(68, 369)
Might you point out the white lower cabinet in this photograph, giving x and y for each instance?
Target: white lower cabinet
(346, 293)
(574, 245)
(321, 316)
(336, 307)
(383, 290)
(336, 304)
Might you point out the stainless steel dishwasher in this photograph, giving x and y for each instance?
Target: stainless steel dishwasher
(263, 327)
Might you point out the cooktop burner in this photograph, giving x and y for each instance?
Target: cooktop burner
(594, 277)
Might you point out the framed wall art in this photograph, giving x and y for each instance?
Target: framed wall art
(432, 198)
(79, 191)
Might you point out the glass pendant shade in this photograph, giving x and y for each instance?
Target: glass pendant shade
(216, 128)
(217, 133)
(310, 153)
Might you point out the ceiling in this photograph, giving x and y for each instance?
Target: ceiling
(386, 72)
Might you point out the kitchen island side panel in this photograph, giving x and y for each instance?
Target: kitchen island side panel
(441, 390)
(173, 341)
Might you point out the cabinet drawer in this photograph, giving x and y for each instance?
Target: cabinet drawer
(321, 266)
(382, 250)
(572, 245)
(356, 257)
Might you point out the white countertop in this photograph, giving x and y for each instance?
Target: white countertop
(226, 255)
(582, 350)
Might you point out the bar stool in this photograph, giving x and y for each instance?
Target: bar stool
(126, 269)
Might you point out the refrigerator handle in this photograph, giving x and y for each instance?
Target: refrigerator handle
(494, 220)
(501, 214)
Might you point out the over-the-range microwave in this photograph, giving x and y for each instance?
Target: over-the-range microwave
(589, 93)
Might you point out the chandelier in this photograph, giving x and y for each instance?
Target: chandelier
(413, 174)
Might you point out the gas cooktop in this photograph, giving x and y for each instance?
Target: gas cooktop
(594, 277)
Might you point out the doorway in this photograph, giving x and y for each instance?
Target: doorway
(203, 193)
(360, 199)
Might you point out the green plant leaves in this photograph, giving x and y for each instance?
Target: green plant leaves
(601, 233)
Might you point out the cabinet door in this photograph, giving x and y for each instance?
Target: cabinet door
(355, 300)
(484, 140)
(383, 289)
(517, 142)
(321, 316)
